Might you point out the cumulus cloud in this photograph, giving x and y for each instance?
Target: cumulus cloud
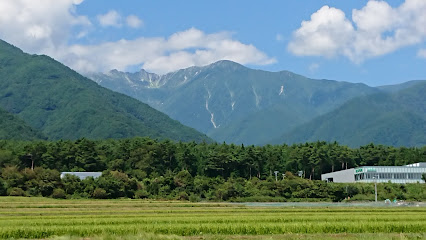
(39, 25)
(374, 30)
(134, 21)
(47, 27)
(325, 34)
(113, 19)
(162, 55)
(110, 19)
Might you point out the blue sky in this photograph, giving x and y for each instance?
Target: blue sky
(374, 42)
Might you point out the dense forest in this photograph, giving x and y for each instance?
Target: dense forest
(12, 127)
(143, 167)
(48, 100)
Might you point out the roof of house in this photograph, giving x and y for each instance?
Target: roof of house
(82, 175)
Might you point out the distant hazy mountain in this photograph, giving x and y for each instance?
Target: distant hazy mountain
(397, 118)
(11, 127)
(402, 86)
(61, 103)
(232, 103)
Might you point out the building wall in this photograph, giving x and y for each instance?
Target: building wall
(401, 174)
(396, 174)
(344, 176)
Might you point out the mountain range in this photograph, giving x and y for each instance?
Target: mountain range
(236, 104)
(41, 98)
(42, 95)
(396, 119)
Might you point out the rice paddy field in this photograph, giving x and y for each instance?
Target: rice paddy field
(42, 218)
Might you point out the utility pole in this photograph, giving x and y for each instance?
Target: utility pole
(375, 191)
(375, 187)
(276, 172)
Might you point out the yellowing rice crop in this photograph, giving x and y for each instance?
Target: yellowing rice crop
(44, 218)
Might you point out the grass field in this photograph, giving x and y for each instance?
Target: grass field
(37, 218)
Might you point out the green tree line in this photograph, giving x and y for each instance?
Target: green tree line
(144, 167)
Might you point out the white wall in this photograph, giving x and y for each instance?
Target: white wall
(344, 176)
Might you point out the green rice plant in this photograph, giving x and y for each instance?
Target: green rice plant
(26, 218)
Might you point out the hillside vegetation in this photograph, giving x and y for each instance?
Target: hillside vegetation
(16, 129)
(146, 168)
(397, 118)
(233, 103)
(62, 104)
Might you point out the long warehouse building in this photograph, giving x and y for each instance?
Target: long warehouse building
(411, 173)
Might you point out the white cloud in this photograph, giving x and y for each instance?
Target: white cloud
(134, 21)
(110, 19)
(376, 29)
(39, 26)
(161, 55)
(421, 53)
(47, 27)
(325, 34)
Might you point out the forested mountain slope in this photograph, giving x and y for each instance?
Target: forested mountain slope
(62, 104)
(232, 103)
(11, 127)
(397, 118)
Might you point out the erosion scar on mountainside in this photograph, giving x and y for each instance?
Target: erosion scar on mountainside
(208, 110)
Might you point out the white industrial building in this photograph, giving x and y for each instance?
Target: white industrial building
(411, 173)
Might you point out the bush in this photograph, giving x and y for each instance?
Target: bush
(2, 187)
(140, 194)
(363, 197)
(100, 193)
(194, 198)
(183, 196)
(82, 195)
(16, 192)
(33, 191)
(59, 193)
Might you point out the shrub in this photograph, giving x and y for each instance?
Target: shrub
(183, 196)
(194, 198)
(59, 193)
(100, 193)
(16, 192)
(2, 187)
(140, 194)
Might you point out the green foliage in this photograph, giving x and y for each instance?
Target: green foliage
(62, 104)
(12, 177)
(59, 193)
(3, 188)
(396, 119)
(141, 194)
(12, 127)
(248, 104)
(71, 184)
(100, 193)
(249, 109)
(146, 168)
(16, 192)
